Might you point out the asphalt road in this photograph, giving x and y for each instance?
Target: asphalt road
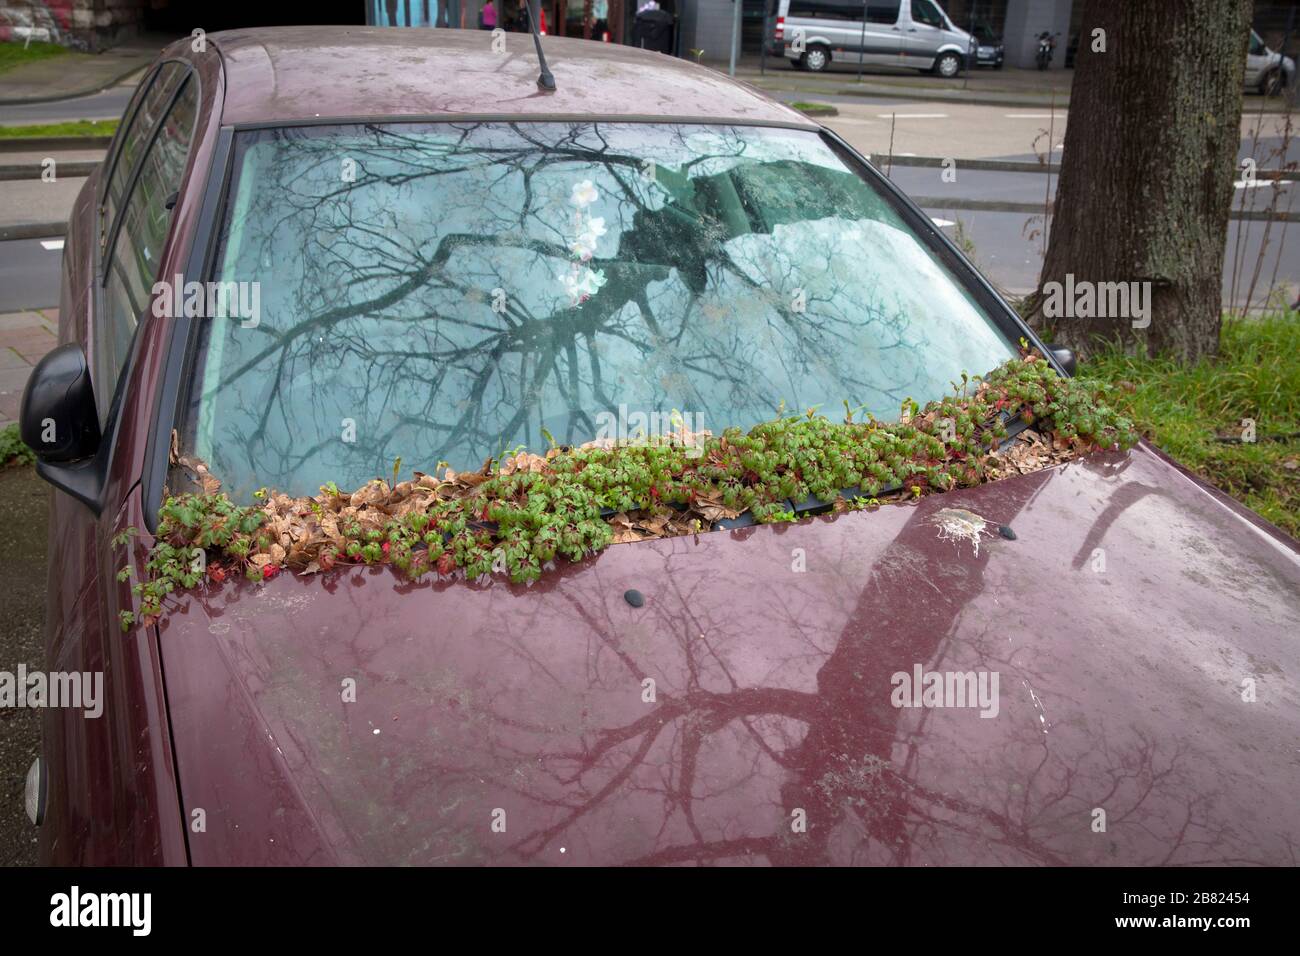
(29, 274)
(110, 104)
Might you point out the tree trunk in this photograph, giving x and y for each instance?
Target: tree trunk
(1146, 177)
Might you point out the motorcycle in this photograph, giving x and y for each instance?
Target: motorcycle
(1046, 47)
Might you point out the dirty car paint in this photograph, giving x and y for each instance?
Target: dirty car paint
(503, 724)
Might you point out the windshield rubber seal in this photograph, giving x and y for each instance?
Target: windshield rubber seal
(182, 346)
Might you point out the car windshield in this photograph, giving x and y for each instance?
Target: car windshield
(448, 292)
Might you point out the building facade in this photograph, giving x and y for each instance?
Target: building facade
(700, 28)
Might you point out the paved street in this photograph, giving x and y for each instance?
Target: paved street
(29, 273)
(24, 338)
(109, 104)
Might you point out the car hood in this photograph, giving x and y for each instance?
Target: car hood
(1143, 630)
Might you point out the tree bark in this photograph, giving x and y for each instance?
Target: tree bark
(1146, 178)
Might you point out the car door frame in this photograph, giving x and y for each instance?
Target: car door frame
(921, 41)
(126, 757)
(881, 44)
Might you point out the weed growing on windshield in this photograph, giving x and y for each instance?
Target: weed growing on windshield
(515, 517)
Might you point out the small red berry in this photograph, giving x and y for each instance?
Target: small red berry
(216, 573)
(269, 571)
(385, 548)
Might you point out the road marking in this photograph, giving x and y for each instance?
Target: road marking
(1257, 184)
(52, 244)
(913, 115)
(942, 223)
(1034, 115)
(832, 120)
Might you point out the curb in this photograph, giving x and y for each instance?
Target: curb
(76, 94)
(1018, 166)
(70, 170)
(969, 97)
(815, 110)
(973, 98)
(930, 203)
(959, 97)
(29, 144)
(33, 230)
(983, 165)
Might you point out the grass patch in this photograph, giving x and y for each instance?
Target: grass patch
(17, 53)
(815, 109)
(1189, 410)
(69, 128)
(12, 449)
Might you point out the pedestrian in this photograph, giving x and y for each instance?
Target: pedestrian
(487, 19)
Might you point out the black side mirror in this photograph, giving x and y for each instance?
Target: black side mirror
(60, 423)
(1065, 357)
(58, 419)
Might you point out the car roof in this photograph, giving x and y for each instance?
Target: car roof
(306, 74)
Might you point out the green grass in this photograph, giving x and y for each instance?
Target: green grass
(1186, 410)
(69, 128)
(17, 53)
(12, 449)
(814, 109)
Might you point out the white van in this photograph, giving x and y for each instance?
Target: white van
(1267, 71)
(909, 33)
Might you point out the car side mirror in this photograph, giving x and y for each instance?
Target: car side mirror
(58, 419)
(1065, 357)
(59, 422)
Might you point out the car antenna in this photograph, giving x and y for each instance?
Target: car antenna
(545, 82)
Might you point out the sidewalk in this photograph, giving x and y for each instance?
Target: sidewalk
(1005, 87)
(31, 208)
(25, 337)
(74, 74)
(1012, 87)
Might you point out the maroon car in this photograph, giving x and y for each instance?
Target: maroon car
(311, 252)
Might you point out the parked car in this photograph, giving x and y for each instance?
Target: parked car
(1267, 72)
(423, 293)
(915, 34)
(989, 50)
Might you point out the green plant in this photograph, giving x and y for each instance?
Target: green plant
(516, 517)
(1195, 412)
(16, 53)
(12, 449)
(67, 128)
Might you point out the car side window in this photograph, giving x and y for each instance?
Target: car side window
(827, 9)
(133, 260)
(883, 11)
(924, 11)
(136, 136)
(1256, 44)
